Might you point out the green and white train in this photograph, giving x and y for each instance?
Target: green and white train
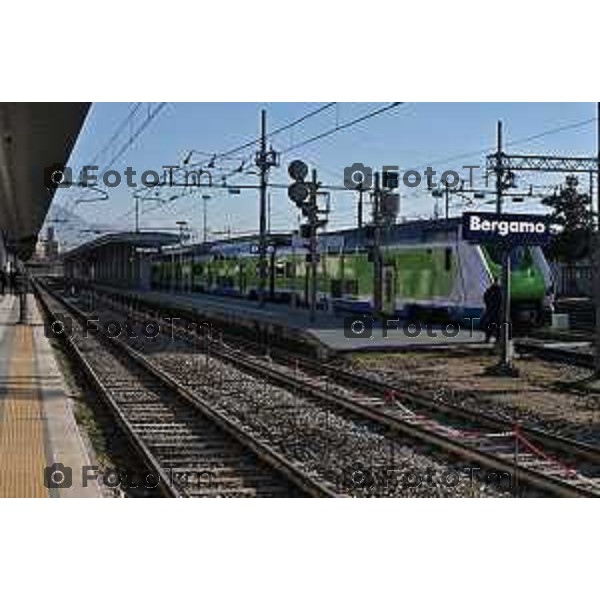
(428, 272)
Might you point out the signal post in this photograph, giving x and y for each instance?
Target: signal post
(305, 196)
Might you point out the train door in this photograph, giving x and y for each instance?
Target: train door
(272, 275)
(389, 290)
(242, 277)
(306, 282)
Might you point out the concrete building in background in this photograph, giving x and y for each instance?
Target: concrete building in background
(47, 248)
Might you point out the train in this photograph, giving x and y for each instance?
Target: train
(428, 271)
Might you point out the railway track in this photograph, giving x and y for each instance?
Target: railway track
(188, 448)
(556, 353)
(542, 461)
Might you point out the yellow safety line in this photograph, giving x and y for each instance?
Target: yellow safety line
(22, 456)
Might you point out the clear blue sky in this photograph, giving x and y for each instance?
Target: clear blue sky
(411, 135)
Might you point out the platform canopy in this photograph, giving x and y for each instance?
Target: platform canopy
(132, 240)
(33, 137)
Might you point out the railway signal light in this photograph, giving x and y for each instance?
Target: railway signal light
(298, 191)
(304, 195)
(298, 170)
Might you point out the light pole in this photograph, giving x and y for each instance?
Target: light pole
(264, 161)
(596, 258)
(137, 213)
(505, 365)
(377, 256)
(446, 195)
(181, 225)
(262, 245)
(205, 199)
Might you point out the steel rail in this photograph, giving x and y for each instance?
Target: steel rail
(536, 479)
(274, 459)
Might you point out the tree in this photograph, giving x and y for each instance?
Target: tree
(572, 211)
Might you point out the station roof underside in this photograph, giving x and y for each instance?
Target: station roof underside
(34, 136)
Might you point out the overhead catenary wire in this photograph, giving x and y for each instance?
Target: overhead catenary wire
(339, 127)
(152, 114)
(117, 132)
(516, 142)
(279, 130)
(240, 170)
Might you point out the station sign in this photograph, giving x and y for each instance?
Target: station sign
(506, 228)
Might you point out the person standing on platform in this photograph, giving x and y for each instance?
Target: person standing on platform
(12, 280)
(20, 289)
(490, 321)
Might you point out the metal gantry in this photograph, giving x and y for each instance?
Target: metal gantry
(501, 164)
(542, 163)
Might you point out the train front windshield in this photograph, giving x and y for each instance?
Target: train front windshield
(520, 257)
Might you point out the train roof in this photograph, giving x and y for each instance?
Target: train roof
(240, 244)
(407, 232)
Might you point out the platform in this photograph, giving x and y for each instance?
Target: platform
(329, 333)
(37, 425)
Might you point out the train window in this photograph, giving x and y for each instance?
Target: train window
(351, 287)
(279, 269)
(518, 257)
(448, 259)
(388, 285)
(336, 288)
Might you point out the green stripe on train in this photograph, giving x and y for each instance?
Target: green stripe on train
(526, 280)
